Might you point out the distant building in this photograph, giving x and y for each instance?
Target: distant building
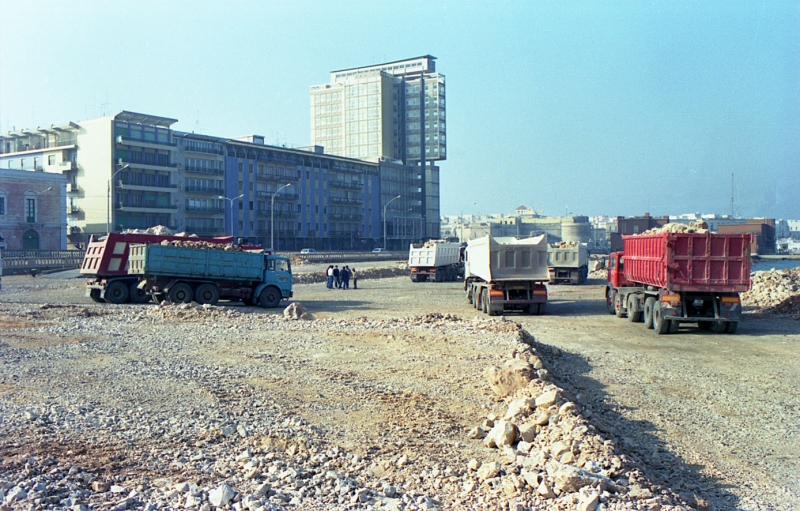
(32, 210)
(133, 171)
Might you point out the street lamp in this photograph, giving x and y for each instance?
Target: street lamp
(384, 219)
(108, 205)
(231, 201)
(272, 217)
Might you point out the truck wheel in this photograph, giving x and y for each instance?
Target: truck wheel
(649, 304)
(180, 293)
(94, 294)
(117, 292)
(270, 297)
(634, 314)
(619, 307)
(660, 325)
(611, 298)
(719, 327)
(542, 309)
(674, 326)
(732, 326)
(138, 295)
(485, 301)
(207, 294)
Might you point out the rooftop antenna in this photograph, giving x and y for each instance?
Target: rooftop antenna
(731, 194)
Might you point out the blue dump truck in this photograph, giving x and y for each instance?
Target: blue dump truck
(182, 274)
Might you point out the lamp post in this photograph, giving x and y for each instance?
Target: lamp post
(384, 219)
(272, 217)
(108, 199)
(231, 205)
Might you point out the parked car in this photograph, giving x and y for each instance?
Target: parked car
(308, 251)
(378, 250)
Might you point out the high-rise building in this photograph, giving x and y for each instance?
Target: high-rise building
(393, 111)
(390, 110)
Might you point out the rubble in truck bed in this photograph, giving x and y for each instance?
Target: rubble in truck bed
(691, 227)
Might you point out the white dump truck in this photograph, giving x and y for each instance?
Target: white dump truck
(568, 262)
(437, 260)
(506, 274)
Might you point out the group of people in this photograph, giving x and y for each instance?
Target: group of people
(340, 279)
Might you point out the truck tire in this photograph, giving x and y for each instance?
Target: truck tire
(660, 324)
(647, 314)
(94, 294)
(207, 294)
(180, 293)
(117, 292)
(542, 309)
(732, 326)
(138, 295)
(634, 314)
(619, 307)
(270, 297)
(611, 298)
(485, 301)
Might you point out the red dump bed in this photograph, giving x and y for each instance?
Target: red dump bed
(108, 257)
(684, 262)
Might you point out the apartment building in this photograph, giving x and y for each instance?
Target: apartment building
(32, 210)
(133, 171)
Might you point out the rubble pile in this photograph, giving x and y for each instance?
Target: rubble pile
(363, 273)
(692, 227)
(774, 291)
(552, 456)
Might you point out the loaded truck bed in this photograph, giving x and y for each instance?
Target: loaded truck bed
(670, 278)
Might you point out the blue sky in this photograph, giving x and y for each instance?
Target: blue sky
(583, 107)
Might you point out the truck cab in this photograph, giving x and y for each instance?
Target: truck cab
(616, 270)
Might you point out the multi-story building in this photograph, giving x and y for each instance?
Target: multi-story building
(392, 112)
(32, 209)
(133, 171)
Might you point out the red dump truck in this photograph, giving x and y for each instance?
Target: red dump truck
(106, 263)
(669, 278)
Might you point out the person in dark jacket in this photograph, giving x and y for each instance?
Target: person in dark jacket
(337, 277)
(345, 278)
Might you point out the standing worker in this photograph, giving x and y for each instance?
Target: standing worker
(345, 278)
(355, 277)
(337, 277)
(329, 277)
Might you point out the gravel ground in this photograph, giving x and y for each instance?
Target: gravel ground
(369, 405)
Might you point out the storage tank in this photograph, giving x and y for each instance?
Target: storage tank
(577, 229)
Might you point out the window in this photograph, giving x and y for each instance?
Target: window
(2, 206)
(30, 210)
(51, 159)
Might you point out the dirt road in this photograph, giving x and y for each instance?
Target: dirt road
(714, 416)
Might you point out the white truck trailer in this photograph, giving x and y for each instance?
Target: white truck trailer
(506, 274)
(437, 260)
(568, 262)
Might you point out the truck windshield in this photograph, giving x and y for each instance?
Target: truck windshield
(283, 265)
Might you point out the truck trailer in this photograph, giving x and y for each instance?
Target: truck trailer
(506, 274)
(206, 275)
(106, 263)
(668, 278)
(437, 260)
(568, 262)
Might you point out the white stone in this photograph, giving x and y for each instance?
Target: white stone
(221, 495)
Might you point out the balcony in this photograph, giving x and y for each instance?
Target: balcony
(353, 218)
(201, 150)
(352, 185)
(263, 176)
(150, 144)
(145, 186)
(205, 210)
(204, 170)
(210, 190)
(145, 207)
(346, 200)
(150, 165)
(284, 195)
(278, 213)
(73, 187)
(73, 209)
